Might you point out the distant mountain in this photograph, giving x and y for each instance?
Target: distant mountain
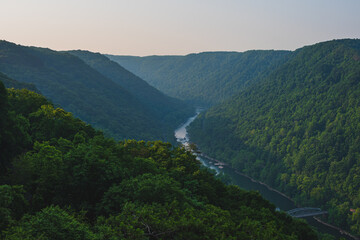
(11, 83)
(169, 111)
(297, 129)
(77, 87)
(206, 78)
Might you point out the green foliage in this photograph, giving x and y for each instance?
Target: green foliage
(12, 205)
(40, 171)
(206, 78)
(28, 117)
(158, 221)
(297, 129)
(146, 188)
(25, 101)
(3, 120)
(79, 184)
(51, 223)
(48, 123)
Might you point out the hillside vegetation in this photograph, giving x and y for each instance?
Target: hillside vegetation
(203, 79)
(71, 83)
(11, 83)
(297, 129)
(169, 111)
(61, 179)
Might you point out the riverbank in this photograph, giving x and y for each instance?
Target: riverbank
(278, 198)
(336, 228)
(244, 175)
(341, 231)
(220, 163)
(211, 159)
(267, 186)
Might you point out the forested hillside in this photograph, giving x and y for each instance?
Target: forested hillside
(203, 79)
(89, 95)
(169, 111)
(11, 83)
(61, 179)
(297, 130)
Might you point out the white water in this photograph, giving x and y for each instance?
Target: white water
(181, 133)
(182, 137)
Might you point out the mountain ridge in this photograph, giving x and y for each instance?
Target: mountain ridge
(165, 109)
(297, 129)
(70, 82)
(205, 78)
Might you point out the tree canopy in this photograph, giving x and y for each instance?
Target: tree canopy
(64, 180)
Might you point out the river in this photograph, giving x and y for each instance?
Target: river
(279, 200)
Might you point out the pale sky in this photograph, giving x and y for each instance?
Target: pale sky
(168, 27)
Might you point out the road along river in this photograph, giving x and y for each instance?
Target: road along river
(280, 200)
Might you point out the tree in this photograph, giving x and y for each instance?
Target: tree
(52, 223)
(12, 205)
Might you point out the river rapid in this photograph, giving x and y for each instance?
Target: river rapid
(281, 201)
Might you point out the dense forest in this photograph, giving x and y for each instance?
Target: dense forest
(203, 79)
(77, 87)
(62, 179)
(11, 83)
(298, 130)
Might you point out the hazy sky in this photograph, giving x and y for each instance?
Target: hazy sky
(147, 27)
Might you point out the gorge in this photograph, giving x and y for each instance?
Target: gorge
(281, 201)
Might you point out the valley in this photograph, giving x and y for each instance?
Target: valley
(207, 78)
(62, 179)
(292, 124)
(297, 130)
(283, 119)
(280, 200)
(180, 120)
(104, 94)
